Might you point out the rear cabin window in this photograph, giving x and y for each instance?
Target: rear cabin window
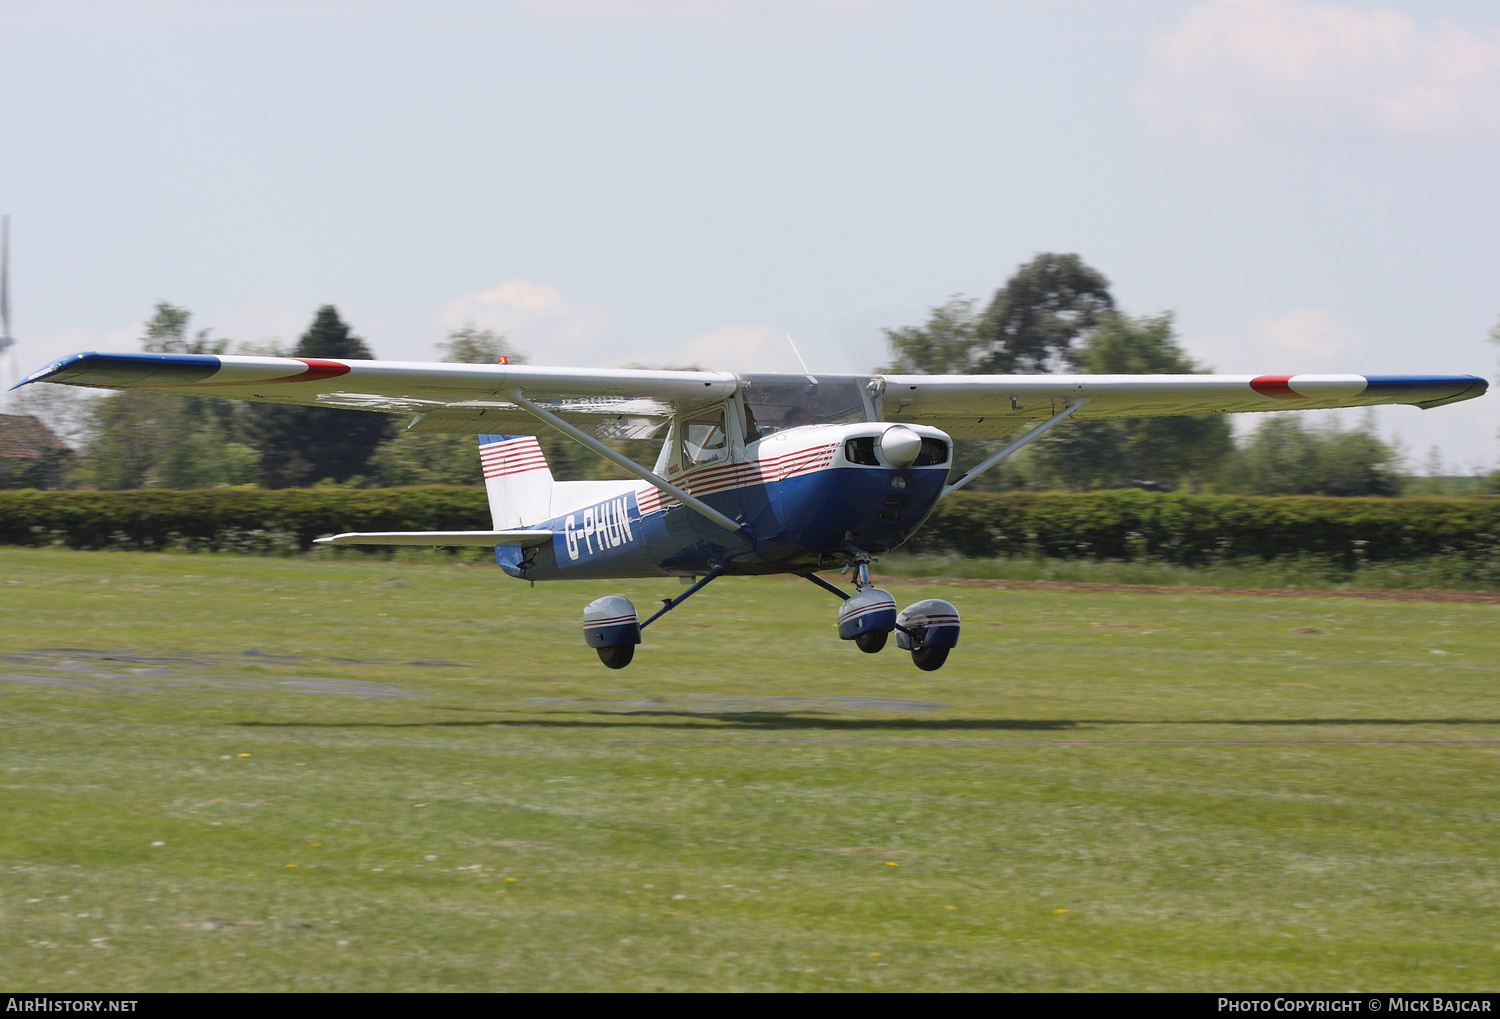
(775, 402)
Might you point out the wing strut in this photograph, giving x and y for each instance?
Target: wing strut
(623, 461)
(1035, 432)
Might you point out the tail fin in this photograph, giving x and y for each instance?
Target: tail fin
(517, 478)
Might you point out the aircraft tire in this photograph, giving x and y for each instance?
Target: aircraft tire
(616, 657)
(928, 659)
(873, 641)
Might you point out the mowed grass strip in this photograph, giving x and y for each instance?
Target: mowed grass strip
(222, 773)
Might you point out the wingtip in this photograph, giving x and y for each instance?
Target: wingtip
(1478, 386)
(51, 368)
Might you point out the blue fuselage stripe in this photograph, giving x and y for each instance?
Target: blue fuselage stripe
(795, 523)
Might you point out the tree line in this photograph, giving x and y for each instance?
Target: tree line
(1054, 314)
(133, 439)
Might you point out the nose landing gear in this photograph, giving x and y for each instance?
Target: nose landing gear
(928, 629)
(869, 616)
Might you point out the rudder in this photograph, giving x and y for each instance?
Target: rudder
(517, 480)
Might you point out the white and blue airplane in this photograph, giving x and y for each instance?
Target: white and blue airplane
(757, 473)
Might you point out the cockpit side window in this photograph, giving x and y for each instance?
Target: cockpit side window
(704, 439)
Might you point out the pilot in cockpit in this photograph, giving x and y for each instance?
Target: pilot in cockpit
(797, 417)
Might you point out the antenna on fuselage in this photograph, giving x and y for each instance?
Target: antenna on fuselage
(7, 341)
(799, 359)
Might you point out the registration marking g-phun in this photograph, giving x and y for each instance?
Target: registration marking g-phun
(606, 524)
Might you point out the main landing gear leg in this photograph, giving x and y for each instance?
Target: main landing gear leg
(612, 628)
(668, 604)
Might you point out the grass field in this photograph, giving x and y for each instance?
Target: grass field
(1297, 572)
(221, 773)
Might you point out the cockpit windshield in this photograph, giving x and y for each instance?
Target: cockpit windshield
(774, 402)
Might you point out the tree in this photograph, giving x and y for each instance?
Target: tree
(472, 345)
(167, 333)
(155, 440)
(947, 345)
(426, 458)
(1357, 463)
(1034, 322)
(1166, 451)
(139, 440)
(131, 434)
(1056, 313)
(1282, 457)
(441, 458)
(305, 445)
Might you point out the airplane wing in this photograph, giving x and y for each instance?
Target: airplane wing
(615, 402)
(631, 403)
(435, 539)
(993, 406)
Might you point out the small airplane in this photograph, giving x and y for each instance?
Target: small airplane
(757, 473)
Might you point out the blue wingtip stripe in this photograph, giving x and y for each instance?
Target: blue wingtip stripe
(1426, 390)
(1422, 381)
(94, 368)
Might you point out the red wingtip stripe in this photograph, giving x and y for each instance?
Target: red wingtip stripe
(318, 369)
(1277, 387)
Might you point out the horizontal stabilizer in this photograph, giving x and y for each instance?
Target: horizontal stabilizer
(517, 539)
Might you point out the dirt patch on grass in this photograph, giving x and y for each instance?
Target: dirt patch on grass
(878, 853)
(103, 669)
(1469, 597)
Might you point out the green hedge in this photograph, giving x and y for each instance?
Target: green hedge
(251, 520)
(1194, 529)
(1126, 525)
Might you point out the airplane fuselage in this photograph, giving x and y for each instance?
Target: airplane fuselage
(807, 496)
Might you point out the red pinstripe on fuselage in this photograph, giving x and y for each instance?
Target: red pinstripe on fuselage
(721, 476)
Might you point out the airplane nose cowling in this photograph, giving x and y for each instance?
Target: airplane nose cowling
(899, 446)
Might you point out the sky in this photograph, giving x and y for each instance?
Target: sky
(1305, 186)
